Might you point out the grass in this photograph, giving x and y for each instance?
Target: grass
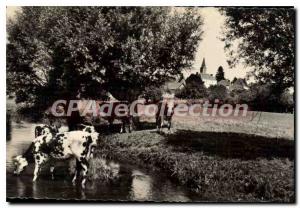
(271, 125)
(208, 167)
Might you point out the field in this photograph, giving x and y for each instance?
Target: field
(271, 125)
(220, 161)
(216, 159)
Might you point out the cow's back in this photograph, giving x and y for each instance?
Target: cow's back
(78, 143)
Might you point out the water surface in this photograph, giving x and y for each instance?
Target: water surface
(132, 183)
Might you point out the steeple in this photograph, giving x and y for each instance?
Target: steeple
(203, 67)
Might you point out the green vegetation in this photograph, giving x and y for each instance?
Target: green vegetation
(70, 52)
(215, 176)
(251, 38)
(194, 88)
(220, 75)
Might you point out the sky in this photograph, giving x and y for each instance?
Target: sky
(211, 47)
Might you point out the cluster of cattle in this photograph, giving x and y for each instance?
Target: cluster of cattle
(49, 146)
(111, 111)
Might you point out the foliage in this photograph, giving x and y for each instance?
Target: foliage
(152, 94)
(287, 100)
(194, 79)
(220, 74)
(264, 40)
(233, 80)
(219, 92)
(213, 177)
(70, 52)
(193, 89)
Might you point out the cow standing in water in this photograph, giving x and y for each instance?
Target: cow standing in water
(49, 147)
(21, 161)
(164, 114)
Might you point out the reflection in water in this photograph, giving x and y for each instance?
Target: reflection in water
(130, 183)
(141, 186)
(21, 187)
(35, 190)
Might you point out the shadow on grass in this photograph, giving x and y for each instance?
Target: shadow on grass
(144, 125)
(106, 129)
(231, 145)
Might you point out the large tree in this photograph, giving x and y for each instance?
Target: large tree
(220, 74)
(263, 39)
(66, 52)
(194, 88)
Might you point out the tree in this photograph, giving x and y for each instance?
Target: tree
(152, 94)
(287, 100)
(233, 80)
(220, 74)
(194, 79)
(193, 89)
(70, 52)
(217, 92)
(264, 40)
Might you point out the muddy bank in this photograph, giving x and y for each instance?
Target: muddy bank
(213, 166)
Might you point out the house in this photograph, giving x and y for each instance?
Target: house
(225, 83)
(172, 86)
(239, 85)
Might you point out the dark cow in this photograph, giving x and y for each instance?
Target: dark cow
(164, 114)
(124, 117)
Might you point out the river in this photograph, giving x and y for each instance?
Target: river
(132, 183)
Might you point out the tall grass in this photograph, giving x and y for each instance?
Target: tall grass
(214, 177)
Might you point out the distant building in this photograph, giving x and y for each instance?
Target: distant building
(238, 85)
(170, 87)
(208, 79)
(225, 83)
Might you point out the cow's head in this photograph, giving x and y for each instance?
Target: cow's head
(20, 163)
(45, 129)
(89, 129)
(95, 137)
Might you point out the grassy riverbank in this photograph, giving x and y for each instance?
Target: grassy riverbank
(217, 166)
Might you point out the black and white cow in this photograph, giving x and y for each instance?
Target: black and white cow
(21, 161)
(49, 148)
(74, 144)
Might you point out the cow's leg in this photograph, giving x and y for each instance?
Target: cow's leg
(130, 124)
(161, 123)
(85, 165)
(123, 126)
(158, 123)
(39, 160)
(77, 171)
(122, 130)
(52, 171)
(110, 123)
(36, 171)
(169, 124)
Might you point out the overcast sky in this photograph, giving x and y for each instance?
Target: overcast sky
(211, 47)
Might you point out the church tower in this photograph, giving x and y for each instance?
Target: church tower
(203, 67)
